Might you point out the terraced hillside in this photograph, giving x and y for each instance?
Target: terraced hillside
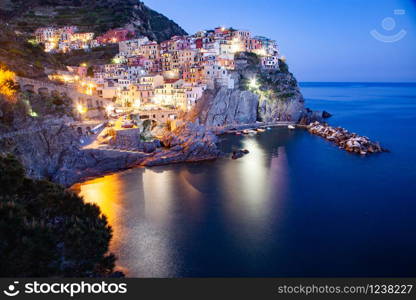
(89, 15)
(22, 57)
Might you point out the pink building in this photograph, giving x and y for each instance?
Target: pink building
(80, 71)
(142, 61)
(221, 31)
(115, 36)
(253, 44)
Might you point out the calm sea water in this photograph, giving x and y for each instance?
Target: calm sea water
(295, 206)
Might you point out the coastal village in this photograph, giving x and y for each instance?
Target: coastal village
(147, 80)
(145, 76)
(94, 88)
(139, 97)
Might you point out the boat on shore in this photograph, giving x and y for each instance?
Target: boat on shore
(291, 127)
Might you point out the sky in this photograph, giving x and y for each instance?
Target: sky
(323, 40)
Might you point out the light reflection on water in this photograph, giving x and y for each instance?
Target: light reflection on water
(253, 193)
(153, 211)
(294, 206)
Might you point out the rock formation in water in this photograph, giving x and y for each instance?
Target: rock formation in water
(346, 140)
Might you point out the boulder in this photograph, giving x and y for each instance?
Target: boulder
(149, 147)
(326, 114)
(239, 153)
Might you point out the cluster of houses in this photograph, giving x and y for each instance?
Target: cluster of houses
(172, 74)
(68, 38)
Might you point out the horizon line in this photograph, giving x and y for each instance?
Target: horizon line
(414, 82)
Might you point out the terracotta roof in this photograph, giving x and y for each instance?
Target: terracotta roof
(171, 80)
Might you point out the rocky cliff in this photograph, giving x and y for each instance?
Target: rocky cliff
(259, 95)
(189, 142)
(89, 15)
(53, 152)
(224, 106)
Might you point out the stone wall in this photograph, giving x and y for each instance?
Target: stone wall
(95, 105)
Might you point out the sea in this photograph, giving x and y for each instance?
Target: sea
(296, 205)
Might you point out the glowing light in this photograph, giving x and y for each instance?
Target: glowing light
(137, 103)
(253, 84)
(7, 79)
(83, 64)
(109, 109)
(261, 52)
(116, 60)
(236, 45)
(33, 42)
(81, 109)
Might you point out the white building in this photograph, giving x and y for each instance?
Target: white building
(193, 93)
(128, 47)
(218, 75)
(151, 80)
(134, 72)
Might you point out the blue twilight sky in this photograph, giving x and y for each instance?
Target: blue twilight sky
(323, 40)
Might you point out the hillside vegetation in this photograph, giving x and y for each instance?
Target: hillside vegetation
(89, 15)
(47, 231)
(25, 59)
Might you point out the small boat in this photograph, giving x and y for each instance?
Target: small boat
(261, 130)
(291, 127)
(269, 128)
(246, 131)
(237, 133)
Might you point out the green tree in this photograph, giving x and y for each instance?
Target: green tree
(284, 68)
(48, 231)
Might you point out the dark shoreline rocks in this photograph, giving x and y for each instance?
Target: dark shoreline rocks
(189, 142)
(310, 116)
(326, 114)
(236, 154)
(54, 152)
(346, 140)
